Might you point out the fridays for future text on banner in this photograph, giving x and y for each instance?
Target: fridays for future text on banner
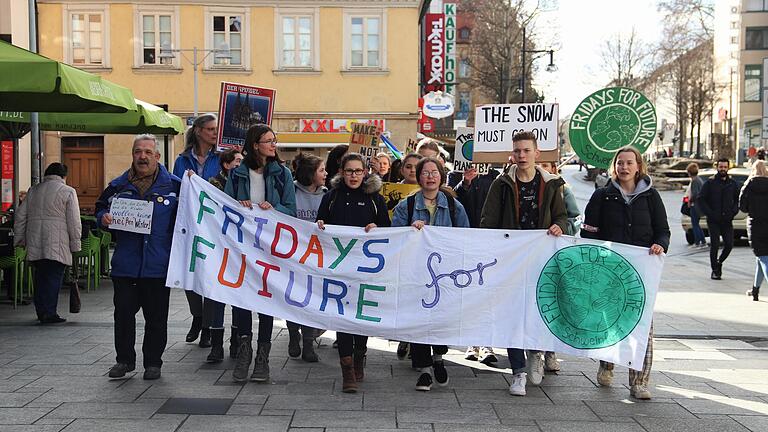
(453, 286)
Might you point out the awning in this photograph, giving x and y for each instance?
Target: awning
(32, 83)
(147, 119)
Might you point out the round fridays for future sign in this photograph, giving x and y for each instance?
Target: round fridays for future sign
(608, 120)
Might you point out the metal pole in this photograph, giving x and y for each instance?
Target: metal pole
(194, 68)
(522, 80)
(35, 126)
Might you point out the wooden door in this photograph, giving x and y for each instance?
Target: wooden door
(84, 156)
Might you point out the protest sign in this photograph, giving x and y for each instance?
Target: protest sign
(608, 120)
(132, 215)
(393, 193)
(240, 107)
(364, 139)
(438, 285)
(495, 125)
(462, 156)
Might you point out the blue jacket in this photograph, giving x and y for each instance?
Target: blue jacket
(143, 255)
(278, 181)
(188, 161)
(420, 212)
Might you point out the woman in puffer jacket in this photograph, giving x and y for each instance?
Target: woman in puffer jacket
(754, 202)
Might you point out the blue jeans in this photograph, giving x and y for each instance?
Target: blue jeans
(516, 359)
(48, 278)
(761, 270)
(698, 233)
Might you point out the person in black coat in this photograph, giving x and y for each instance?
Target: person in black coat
(628, 210)
(754, 202)
(719, 202)
(471, 192)
(354, 200)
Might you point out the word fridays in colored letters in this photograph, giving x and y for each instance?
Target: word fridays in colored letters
(439, 285)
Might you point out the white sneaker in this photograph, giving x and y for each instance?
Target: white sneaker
(537, 367)
(517, 388)
(551, 364)
(472, 353)
(487, 356)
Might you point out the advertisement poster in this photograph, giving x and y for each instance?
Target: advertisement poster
(240, 107)
(6, 152)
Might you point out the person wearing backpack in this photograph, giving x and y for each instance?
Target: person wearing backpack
(260, 180)
(354, 200)
(433, 205)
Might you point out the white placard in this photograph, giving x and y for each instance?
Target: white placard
(462, 155)
(496, 124)
(132, 215)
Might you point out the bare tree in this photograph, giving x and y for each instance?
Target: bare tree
(626, 58)
(496, 44)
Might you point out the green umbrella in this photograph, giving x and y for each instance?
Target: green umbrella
(32, 82)
(148, 119)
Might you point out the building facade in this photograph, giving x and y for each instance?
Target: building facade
(751, 68)
(330, 62)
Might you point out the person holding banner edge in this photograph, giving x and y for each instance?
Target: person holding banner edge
(200, 156)
(628, 210)
(264, 181)
(354, 200)
(525, 197)
(140, 261)
(433, 205)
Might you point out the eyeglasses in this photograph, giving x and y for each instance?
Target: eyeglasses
(272, 141)
(354, 172)
(429, 174)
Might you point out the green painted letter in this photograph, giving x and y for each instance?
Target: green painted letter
(196, 254)
(362, 302)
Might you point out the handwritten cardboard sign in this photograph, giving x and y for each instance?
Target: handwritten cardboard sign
(132, 215)
(496, 124)
(462, 157)
(364, 139)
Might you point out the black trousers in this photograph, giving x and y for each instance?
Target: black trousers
(195, 302)
(421, 355)
(349, 343)
(48, 275)
(243, 320)
(151, 296)
(716, 230)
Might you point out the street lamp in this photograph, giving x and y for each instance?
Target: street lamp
(551, 67)
(221, 53)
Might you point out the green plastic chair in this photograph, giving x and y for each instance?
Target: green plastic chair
(105, 241)
(20, 270)
(87, 261)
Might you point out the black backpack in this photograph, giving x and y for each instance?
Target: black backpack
(411, 202)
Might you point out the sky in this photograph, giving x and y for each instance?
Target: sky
(577, 29)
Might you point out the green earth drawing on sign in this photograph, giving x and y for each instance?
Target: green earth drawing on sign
(467, 149)
(613, 127)
(590, 297)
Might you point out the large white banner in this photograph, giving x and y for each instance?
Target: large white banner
(451, 286)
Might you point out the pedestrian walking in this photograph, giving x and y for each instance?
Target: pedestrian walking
(754, 202)
(353, 200)
(525, 197)
(200, 156)
(692, 192)
(628, 210)
(48, 225)
(140, 261)
(260, 180)
(310, 188)
(434, 205)
(213, 311)
(719, 202)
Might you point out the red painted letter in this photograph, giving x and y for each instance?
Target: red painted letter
(264, 291)
(294, 237)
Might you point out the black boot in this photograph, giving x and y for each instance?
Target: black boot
(294, 340)
(754, 293)
(217, 346)
(233, 344)
(205, 338)
(244, 357)
(261, 364)
(194, 331)
(308, 350)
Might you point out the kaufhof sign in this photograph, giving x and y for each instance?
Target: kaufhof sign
(434, 51)
(608, 120)
(449, 10)
(337, 125)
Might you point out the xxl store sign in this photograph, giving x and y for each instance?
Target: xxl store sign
(337, 125)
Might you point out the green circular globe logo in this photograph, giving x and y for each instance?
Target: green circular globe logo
(467, 149)
(608, 120)
(590, 297)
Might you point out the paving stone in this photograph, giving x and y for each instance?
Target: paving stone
(11, 400)
(201, 406)
(187, 389)
(486, 428)
(349, 402)
(753, 423)
(31, 428)
(571, 426)
(136, 410)
(122, 425)
(246, 409)
(472, 398)
(477, 415)
(690, 425)
(392, 401)
(234, 423)
(277, 412)
(729, 406)
(21, 415)
(344, 419)
(570, 412)
(631, 408)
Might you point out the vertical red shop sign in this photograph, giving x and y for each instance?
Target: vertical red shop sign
(434, 52)
(6, 177)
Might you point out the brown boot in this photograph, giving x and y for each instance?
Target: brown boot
(348, 385)
(359, 360)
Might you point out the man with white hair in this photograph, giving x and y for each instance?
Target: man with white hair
(140, 261)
